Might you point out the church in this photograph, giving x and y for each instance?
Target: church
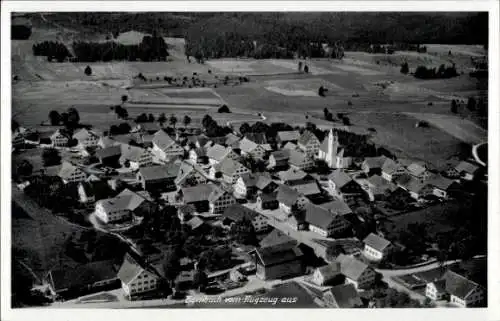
(331, 152)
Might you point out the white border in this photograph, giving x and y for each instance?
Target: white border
(492, 313)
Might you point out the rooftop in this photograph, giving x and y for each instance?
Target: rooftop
(376, 242)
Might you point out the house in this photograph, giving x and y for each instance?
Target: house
(278, 262)
(328, 274)
(86, 138)
(135, 157)
(412, 185)
(137, 279)
(122, 207)
(185, 280)
(337, 206)
(309, 189)
(356, 272)
(376, 248)
(147, 128)
(232, 140)
(418, 171)
(268, 201)
(466, 170)
(186, 212)
(217, 153)
(343, 186)
(70, 173)
(164, 147)
(109, 156)
(277, 238)
(158, 177)
(283, 137)
(288, 197)
(91, 191)
(300, 160)
(309, 143)
(325, 222)
(461, 291)
(294, 176)
(373, 165)
(441, 185)
(290, 146)
(106, 141)
(294, 293)
(199, 141)
(237, 212)
(231, 170)
(17, 140)
(83, 278)
(278, 159)
(195, 223)
(377, 187)
(250, 148)
(249, 184)
(343, 296)
(207, 198)
(189, 175)
(59, 138)
(392, 170)
(198, 156)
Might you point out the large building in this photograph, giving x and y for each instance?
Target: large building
(86, 138)
(278, 262)
(164, 147)
(137, 279)
(324, 222)
(237, 212)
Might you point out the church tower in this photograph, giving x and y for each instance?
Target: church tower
(332, 147)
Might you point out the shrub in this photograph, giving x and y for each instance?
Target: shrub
(88, 71)
(223, 109)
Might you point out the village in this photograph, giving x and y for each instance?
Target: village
(262, 210)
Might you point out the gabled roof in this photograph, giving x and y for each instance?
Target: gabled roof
(275, 238)
(441, 182)
(379, 185)
(292, 174)
(237, 212)
(375, 162)
(290, 135)
(265, 197)
(96, 188)
(346, 296)
(126, 200)
(107, 141)
(108, 152)
(306, 137)
(390, 166)
(247, 145)
(307, 189)
(162, 140)
(297, 158)
(67, 169)
(129, 270)
(290, 146)
(280, 155)
(218, 152)
(60, 132)
(200, 139)
(458, 285)
(278, 254)
(337, 206)
(195, 222)
(185, 170)
(440, 285)
(340, 178)
(330, 271)
(200, 152)
(376, 242)
(416, 169)
(466, 167)
(228, 166)
(83, 134)
(410, 183)
(287, 195)
(305, 296)
(231, 139)
(132, 153)
(82, 275)
(201, 192)
(351, 267)
(319, 216)
(259, 180)
(169, 170)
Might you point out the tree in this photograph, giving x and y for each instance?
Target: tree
(471, 103)
(50, 157)
(171, 265)
(321, 91)
(218, 175)
(306, 69)
(454, 107)
(346, 121)
(121, 112)
(404, 68)
(14, 125)
(151, 118)
(300, 66)
(223, 109)
(142, 118)
(124, 128)
(172, 120)
(186, 121)
(124, 99)
(23, 168)
(88, 71)
(54, 117)
(200, 280)
(325, 112)
(206, 121)
(162, 118)
(245, 128)
(73, 117)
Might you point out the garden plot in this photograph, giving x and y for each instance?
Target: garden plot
(358, 70)
(174, 97)
(301, 87)
(292, 66)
